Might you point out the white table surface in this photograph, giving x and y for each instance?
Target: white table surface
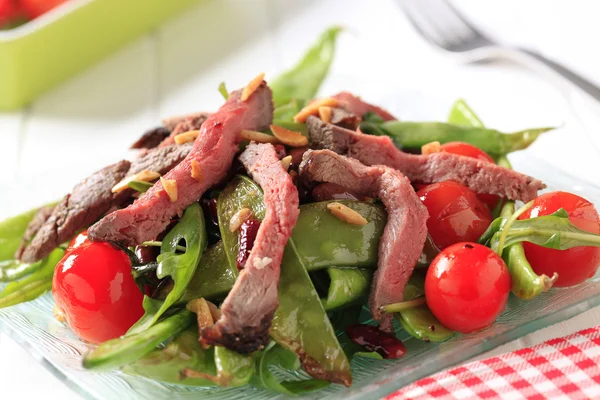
(83, 124)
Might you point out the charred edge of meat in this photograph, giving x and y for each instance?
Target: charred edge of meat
(315, 369)
(151, 138)
(38, 220)
(247, 340)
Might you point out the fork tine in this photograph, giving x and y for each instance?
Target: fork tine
(421, 22)
(460, 19)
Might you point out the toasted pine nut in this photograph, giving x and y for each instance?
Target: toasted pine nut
(313, 108)
(289, 138)
(170, 186)
(252, 86)
(238, 219)
(258, 137)
(59, 315)
(202, 310)
(196, 170)
(325, 114)
(346, 214)
(286, 161)
(430, 148)
(185, 137)
(142, 176)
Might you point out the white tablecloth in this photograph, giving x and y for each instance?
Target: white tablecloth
(86, 122)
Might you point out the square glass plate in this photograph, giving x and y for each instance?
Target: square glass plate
(33, 326)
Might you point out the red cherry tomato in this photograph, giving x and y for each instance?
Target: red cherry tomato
(573, 265)
(467, 286)
(35, 8)
(78, 241)
(455, 213)
(468, 150)
(94, 288)
(9, 12)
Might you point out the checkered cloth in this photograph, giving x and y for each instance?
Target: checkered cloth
(563, 368)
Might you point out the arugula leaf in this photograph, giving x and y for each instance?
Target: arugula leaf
(180, 267)
(140, 186)
(223, 90)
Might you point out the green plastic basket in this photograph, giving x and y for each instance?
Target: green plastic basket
(42, 53)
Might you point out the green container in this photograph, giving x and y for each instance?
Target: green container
(42, 53)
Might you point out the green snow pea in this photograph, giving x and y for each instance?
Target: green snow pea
(233, 369)
(415, 134)
(526, 284)
(300, 322)
(419, 321)
(180, 267)
(125, 350)
(11, 232)
(167, 363)
(323, 240)
(346, 286)
(304, 79)
(11, 270)
(277, 355)
(34, 285)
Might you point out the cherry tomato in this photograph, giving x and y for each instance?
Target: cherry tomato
(9, 12)
(573, 265)
(35, 8)
(455, 213)
(467, 286)
(78, 241)
(94, 288)
(468, 150)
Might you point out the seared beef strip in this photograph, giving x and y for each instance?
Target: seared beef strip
(344, 118)
(209, 160)
(357, 106)
(151, 138)
(33, 227)
(160, 159)
(89, 200)
(405, 231)
(248, 310)
(480, 176)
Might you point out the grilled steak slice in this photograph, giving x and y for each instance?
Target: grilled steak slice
(480, 176)
(33, 227)
(209, 160)
(358, 107)
(89, 200)
(183, 124)
(160, 159)
(249, 308)
(405, 232)
(344, 118)
(151, 138)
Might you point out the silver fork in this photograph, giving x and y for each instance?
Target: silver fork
(444, 27)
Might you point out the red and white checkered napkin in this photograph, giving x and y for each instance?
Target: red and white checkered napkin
(562, 368)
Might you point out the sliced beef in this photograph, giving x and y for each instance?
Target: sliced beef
(357, 106)
(89, 200)
(480, 176)
(248, 310)
(186, 123)
(33, 227)
(160, 159)
(151, 138)
(405, 232)
(211, 157)
(344, 118)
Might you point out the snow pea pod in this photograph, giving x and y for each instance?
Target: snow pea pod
(125, 350)
(323, 240)
(416, 134)
(305, 78)
(180, 267)
(11, 270)
(419, 321)
(34, 285)
(11, 232)
(300, 323)
(347, 285)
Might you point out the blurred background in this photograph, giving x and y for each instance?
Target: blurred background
(88, 119)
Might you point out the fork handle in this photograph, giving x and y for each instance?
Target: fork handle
(539, 62)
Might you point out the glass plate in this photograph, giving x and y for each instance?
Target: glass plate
(33, 326)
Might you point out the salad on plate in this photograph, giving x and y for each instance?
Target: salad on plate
(286, 231)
